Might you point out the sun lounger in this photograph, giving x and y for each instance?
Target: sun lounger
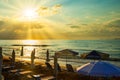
(37, 76)
(25, 72)
(69, 68)
(59, 68)
(16, 70)
(7, 68)
(48, 78)
(49, 66)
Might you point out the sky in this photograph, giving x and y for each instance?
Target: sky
(60, 19)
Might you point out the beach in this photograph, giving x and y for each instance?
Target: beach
(24, 62)
(41, 69)
(59, 40)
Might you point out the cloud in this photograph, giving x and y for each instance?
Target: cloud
(74, 26)
(1, 23)
(4, 0)
(11, 29)
(58, 6)
(114, 23)
(107, 29)
(43, 8)
(49, 11)
(18, 30)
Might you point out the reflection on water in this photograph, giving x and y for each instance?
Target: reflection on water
(28, 50)
(29, 42)
(111, 47)
(108, 46)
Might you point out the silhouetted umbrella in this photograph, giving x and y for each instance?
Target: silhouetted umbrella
(93, 55)
(32, 58)
(1, 61)
(13, 57)
(99, 69)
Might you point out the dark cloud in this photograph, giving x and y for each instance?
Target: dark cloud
(108, 30)
(114, 23)
(18, 30)
(58, 6)
(84, 24)
(43, 8)
(74, 26)
(37, 26)
(1, 23)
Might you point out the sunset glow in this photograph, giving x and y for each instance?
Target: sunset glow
(59, 19)
(30, 13)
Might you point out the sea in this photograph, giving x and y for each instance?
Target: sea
(111, 47)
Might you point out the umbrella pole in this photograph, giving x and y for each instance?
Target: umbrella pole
(32, 58)
(55, 66)
(1, 61)
(47, 56)
(66, 59)
(21, 54)
(13, 58)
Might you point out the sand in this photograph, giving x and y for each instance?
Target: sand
(40, 69)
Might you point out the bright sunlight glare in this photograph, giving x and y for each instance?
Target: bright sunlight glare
(28, 50)
(29, 13)
(29, 42)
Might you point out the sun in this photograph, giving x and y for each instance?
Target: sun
(29, 13)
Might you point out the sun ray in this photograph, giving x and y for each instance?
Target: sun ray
(25, 13)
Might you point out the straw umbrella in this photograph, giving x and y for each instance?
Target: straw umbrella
(66, 53)
(13, 57)
(32, 58)
(21, 54)
(1, 61)
(47, 56)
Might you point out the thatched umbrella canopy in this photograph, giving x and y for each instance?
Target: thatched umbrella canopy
(32, 58)
(13, 57)
(66, 53)
(47, 56)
